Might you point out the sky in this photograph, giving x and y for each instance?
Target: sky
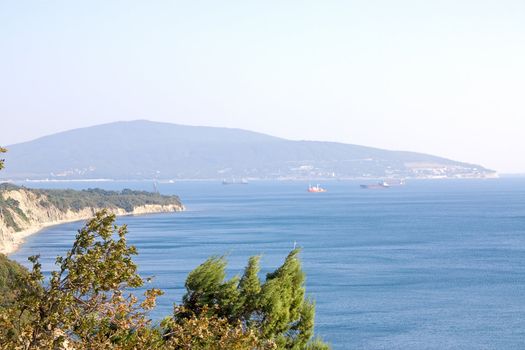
(435, 76)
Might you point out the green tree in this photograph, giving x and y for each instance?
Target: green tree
(206, 287)
(85, 300)
(250, 292)
(85, 304)
(287, 316)
(10, 274)
(276, 309)
(317, 344)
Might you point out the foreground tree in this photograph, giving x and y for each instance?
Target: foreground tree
(87, 303)
(210, 332)
(85, 300)
(10, 273)
(276, 309)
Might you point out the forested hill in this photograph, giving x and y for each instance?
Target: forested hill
(24, 211)
(146, 150)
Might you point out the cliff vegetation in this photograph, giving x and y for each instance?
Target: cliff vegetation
(24, 211)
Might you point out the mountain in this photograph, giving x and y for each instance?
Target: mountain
(145, 150)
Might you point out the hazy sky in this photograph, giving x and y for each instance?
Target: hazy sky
(441, 77)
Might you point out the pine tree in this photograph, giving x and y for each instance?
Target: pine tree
(288, 317)
(206, 288)
(249, 290)
(277, 309)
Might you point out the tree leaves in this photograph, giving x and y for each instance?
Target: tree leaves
(276, 309)
(87, 303)
(86, 299)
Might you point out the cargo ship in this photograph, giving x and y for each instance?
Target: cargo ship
(379, 185)
(316, 189)
(235, 182)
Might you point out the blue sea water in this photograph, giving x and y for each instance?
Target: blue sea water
(429, 265)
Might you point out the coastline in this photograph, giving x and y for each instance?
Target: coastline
(468, 176)
(17, 238)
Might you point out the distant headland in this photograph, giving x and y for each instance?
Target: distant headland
(141, 149)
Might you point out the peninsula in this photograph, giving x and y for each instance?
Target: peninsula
(165, 151)
(25, 211)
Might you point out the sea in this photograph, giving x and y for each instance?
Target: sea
(433, 264)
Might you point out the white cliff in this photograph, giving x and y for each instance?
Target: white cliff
(36, 212)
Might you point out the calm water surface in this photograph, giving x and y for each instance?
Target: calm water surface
(431, 265)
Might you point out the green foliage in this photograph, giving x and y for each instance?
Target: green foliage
(84, 301)
(76, 200)
(277, 309)
(10, 274)
(317, 344)
(8, 207)
(211, 332)
(287, 316)
(206, 287)
(250, 290)
(96, 198)
(87, 302)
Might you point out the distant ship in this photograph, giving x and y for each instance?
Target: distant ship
(235, 182)
(379, 185)
(316, 189)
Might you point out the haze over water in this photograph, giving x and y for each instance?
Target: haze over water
(431, 265)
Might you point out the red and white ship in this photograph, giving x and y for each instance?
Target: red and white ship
(316, 189)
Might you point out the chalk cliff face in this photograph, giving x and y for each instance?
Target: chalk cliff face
(25, 211)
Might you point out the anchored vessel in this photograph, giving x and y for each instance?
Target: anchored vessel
(379, 185)
(235, 182)
(316, 188)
